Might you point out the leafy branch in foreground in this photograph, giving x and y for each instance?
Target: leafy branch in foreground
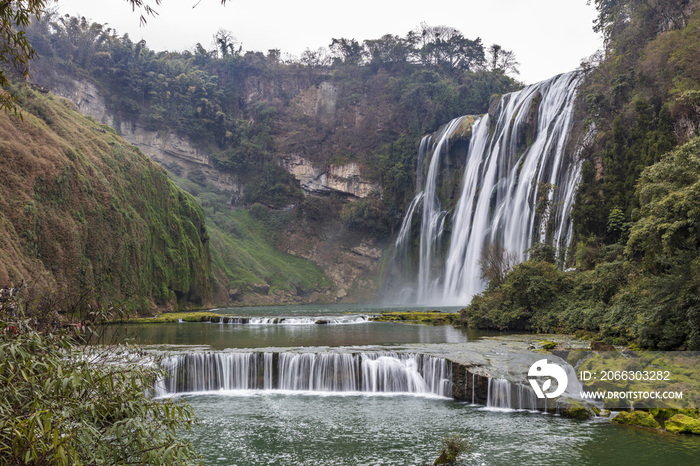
(62, 404)
(15, 49)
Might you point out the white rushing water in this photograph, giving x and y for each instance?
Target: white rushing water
(367, 372)
(519, 158)
(296, 320)
(504, 395)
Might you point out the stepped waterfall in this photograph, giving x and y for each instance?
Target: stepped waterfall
(345, 373)
(506, 179)
(367, 372)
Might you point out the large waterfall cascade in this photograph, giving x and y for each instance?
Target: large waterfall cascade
(517, 188)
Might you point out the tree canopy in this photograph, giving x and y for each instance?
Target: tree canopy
(17, 51)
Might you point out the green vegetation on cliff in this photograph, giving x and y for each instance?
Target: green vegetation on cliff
(642, 96)
(246, 265)
(368, 101)
(86, 215)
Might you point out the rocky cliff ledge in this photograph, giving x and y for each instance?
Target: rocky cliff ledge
(178, 154)
(340, 179)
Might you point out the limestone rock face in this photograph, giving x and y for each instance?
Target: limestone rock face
(179, 155)
(327, 102)
(82, 93)
(341, 179)
(347, 178)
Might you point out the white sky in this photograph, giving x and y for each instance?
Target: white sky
(547, 36)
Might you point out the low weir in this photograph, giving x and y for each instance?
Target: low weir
(295, 320)
(341, 372)
(371, 372)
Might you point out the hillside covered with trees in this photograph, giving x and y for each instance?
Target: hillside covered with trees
(245, 108)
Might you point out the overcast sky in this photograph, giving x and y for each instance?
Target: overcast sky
(547, 36)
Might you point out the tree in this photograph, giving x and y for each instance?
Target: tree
(495, 263)
(502, 60)
(446, 47)
(668, 193)
(315, 58)
(226, 44)
(16, 50)
(347, 51)
(388, 50)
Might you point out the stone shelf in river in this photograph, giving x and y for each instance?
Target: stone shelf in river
(492, 372)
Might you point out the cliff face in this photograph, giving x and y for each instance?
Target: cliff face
(343, 179)
(82, 212)
(324, 242)
(181, 156)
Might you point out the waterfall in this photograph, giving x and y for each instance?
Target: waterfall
(473, 388)
(503, 394)
(433, 219)
(325, 372)
(201, 372)
(499, 394)
(297, 320)
(368, 372)
(517, 188)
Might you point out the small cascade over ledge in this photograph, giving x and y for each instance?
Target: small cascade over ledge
(358, 371)
(295, 320)
(506, 180)
(367, 372)
(506, 395)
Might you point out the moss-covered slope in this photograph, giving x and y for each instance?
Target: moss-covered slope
(84, 213)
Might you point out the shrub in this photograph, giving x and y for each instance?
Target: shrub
(453, 446)
(530, 298)
(364, 215)
(62, 404)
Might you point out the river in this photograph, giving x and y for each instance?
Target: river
(326, 426)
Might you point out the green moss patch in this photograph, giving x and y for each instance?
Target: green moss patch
(575, 410)
(169, 317)
(636, 418)
(547, 345)
(681, 423)
(429, 317)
